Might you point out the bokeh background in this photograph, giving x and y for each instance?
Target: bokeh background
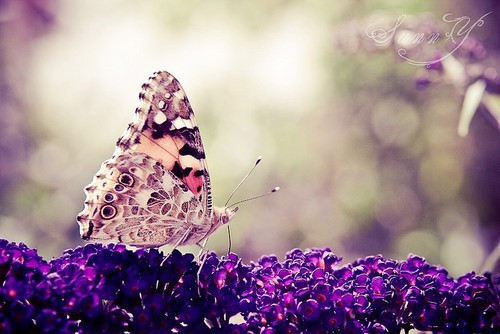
(368, 161)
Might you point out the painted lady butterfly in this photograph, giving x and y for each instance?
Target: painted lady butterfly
(155, 190)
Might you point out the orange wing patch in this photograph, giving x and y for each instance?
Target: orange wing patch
(187, 168)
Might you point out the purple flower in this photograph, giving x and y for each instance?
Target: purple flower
(309, 310)
(470, 48)
(100, 288)
(422, 82)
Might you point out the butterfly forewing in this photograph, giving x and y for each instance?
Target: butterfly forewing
(165, 129)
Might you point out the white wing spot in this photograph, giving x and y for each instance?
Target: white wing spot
(161, 104)
(160, 118)
(168, 81)
(179, 94)
(180, 123)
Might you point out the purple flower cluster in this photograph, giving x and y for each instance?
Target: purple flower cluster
(311, 292)
(468, 54)
(111, 289)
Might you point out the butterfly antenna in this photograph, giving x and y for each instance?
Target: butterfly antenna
(275, 189)
(259, 158)
(230, 242)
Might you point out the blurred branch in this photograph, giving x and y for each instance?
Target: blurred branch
(450, 57)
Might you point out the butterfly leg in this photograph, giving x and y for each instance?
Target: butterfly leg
(202, 248)
(181, 240)
(203, 251)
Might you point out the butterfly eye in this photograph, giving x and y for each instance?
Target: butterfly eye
(126, 179)
(109, 197)
(108, 211)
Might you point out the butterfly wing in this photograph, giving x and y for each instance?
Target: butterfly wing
(155, 190)
(165, 128)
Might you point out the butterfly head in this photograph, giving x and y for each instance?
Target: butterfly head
(223, 216)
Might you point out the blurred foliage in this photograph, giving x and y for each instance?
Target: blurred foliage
(367, 162)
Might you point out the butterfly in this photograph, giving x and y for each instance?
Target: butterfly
(155, 189)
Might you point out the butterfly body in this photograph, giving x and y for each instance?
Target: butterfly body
(155, 190)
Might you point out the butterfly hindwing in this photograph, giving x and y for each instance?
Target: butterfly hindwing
(135, 200)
